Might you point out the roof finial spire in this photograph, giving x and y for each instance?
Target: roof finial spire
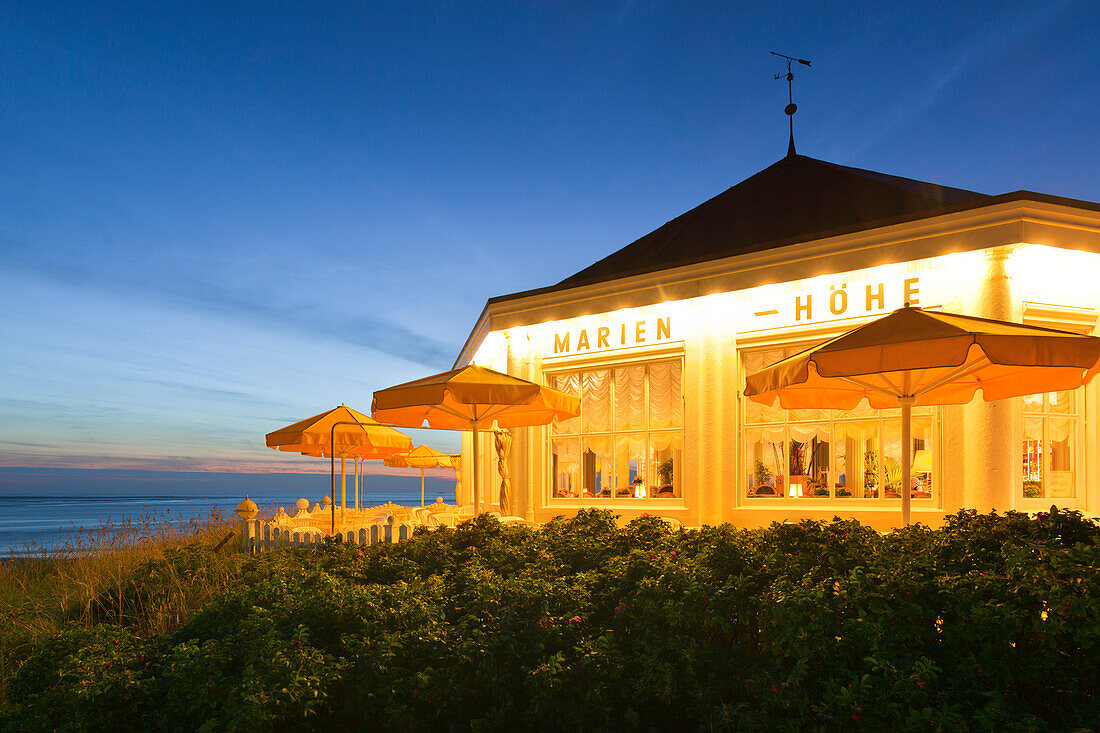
(791, 107)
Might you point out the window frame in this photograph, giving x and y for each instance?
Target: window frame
(611, 361)
(1040, 503)
(881, 417)
(1075, 319)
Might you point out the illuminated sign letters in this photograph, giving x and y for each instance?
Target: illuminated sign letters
(838, 301)
(628, 333)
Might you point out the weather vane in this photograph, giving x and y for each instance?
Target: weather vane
(791, 106)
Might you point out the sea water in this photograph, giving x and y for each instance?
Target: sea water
(47, 508)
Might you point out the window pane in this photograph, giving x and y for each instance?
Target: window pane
(756, 360)
(863, 409)
(921, 458)
(1060, 433)
(596, 400)
(1061, 403)
(765, 459)
(570, 384)
(630, 398)
(808, 415)
(665, 403)
(808, 460)
(892, 475)
(1033, 457)
(896, 476)
(565, 459)
(754, 411)
(1033, 403)
(612, 451)
(630, 475)
(856, 446)
(597, 467)
(757, 413)
(664, 463)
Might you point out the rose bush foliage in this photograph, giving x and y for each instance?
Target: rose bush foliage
(991, 622)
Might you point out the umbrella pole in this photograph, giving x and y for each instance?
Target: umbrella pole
(474, 426)
(332, 475)
(906, 403)
(422, 486)
(344, 483)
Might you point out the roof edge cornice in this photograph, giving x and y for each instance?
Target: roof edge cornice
(1021, 216)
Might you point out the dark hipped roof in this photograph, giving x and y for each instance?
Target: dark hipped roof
(797, 199)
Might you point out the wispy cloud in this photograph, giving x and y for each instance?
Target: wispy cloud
(1000, 31)
(304, 313)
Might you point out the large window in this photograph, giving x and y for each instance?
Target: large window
(626, 443)
(1050, 428)
(840, 454)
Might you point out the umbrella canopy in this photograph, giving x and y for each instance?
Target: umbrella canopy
(339, 433)
(917, 357)
(342, 432)
(422, 457)
(466, 398)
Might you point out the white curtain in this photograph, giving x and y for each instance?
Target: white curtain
(597, 459)
(757, 360)
(665, 403)
(805, 432)
(1059, 429)
(809, 415)
(1033, 428)
(570, 384)
(630, 459)
(596, 400)
(1062, 403)
(630, 398)
(567, 456)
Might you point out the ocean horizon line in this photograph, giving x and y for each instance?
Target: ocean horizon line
(68, 482)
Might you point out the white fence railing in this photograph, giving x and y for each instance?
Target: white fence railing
(384, 523)
(259, 535)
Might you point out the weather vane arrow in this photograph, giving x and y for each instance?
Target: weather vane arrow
(791, 107)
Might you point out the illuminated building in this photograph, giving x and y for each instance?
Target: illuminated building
(657, 337)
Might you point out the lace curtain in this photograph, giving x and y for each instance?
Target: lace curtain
(596, 400)
(1059, 429)
(665, 402)
(630, 398)
(570, 384)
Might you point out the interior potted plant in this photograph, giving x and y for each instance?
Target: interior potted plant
(664, 478)
(762, 480)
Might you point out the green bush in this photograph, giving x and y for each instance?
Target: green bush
(990, 623)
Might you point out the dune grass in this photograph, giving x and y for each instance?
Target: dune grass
(149, 573)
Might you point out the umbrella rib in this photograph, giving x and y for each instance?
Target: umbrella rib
(869, 385)
(449, 411)
(490, 414)
(896, 389)
(962, 371)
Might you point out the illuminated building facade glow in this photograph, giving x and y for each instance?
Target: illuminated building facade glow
(658, 355)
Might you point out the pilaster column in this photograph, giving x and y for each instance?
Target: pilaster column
(990, 454)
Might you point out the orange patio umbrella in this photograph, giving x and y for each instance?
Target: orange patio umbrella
(918, 357)
(341, 432)
(469, 398)
(422, 457)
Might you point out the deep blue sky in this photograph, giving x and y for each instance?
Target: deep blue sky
(218, 218)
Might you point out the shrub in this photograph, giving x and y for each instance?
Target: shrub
(991, 622)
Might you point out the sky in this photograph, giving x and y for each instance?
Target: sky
(219, 218)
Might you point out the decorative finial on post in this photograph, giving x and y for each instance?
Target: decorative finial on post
(791, 107)
(247, 509)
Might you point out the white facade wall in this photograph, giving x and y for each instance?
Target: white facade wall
(974, 263)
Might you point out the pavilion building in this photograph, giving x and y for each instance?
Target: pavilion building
(656, 339)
